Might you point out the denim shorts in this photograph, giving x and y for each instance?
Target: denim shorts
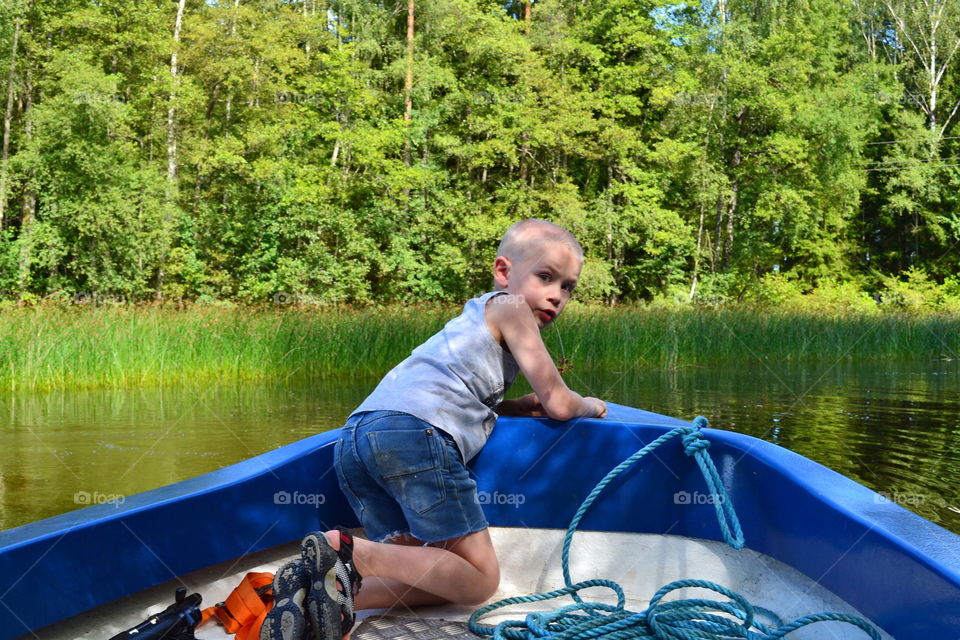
(403, 475)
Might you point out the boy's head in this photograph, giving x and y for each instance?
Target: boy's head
(540, 263)
(526, 237)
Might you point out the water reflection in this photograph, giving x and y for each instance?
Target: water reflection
(61, 451)
(895, 427)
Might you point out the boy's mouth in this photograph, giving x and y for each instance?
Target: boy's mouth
(546, 315)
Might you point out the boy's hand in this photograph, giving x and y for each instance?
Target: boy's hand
(528, 405)
(600, 405)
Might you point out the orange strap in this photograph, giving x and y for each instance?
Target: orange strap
(243, 611)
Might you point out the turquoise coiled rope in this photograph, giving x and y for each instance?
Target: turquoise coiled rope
(691, 619)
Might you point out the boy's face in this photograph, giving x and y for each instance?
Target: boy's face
(545, 280)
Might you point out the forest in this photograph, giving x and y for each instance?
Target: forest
(349, 152)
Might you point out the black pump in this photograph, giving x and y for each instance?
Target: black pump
(176, 622)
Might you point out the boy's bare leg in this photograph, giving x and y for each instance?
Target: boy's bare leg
(463, 570)
(383, 593)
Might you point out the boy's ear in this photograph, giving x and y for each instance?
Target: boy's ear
(501, 272)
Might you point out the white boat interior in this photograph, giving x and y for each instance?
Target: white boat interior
(530, 563)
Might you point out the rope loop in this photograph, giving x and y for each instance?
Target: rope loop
(690, 619)
(673, 619)
(694, 442)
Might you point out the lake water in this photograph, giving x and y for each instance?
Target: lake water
(893, 426)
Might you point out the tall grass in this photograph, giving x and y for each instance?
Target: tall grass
(619, 337)
(46, 348)
(82, 347)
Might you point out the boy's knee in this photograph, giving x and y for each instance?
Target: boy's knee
(481, 590)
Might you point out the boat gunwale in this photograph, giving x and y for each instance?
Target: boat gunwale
(922, 542)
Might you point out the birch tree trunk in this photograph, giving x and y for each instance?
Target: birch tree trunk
(306, 46)
(718, 244)
(171, 134)
(233, 34)
(694, 280)
(931, 35)
(7, 119)
(29, 208)
(731, 220)
(336, 153)
(408, 83)
(172, 109)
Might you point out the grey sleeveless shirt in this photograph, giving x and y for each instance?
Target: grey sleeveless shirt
(453, 381)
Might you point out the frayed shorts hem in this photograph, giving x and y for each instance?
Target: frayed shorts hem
(389, 537)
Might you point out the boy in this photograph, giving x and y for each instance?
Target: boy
(401, 460)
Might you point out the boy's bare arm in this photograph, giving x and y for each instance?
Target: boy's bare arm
(528, 405)
(519, 331)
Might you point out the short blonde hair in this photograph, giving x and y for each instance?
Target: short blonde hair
(525, 236)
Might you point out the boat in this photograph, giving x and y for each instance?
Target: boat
(814, 539)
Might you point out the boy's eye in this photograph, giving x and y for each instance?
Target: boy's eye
(545, 277)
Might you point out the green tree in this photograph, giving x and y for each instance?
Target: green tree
(99, 209)
(765, 130)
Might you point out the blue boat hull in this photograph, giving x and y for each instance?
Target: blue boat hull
(897, 568)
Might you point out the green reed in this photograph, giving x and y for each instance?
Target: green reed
(86, 347)
(624, 337)
(44, 348)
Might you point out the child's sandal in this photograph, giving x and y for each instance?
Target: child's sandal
(285, 620)
(330, 608)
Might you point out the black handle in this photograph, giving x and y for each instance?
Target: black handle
(176, 622)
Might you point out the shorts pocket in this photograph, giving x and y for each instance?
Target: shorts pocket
(408, 463)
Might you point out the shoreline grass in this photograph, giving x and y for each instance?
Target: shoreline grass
(44, 348)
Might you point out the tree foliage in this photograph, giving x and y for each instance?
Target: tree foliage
(694, 148)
